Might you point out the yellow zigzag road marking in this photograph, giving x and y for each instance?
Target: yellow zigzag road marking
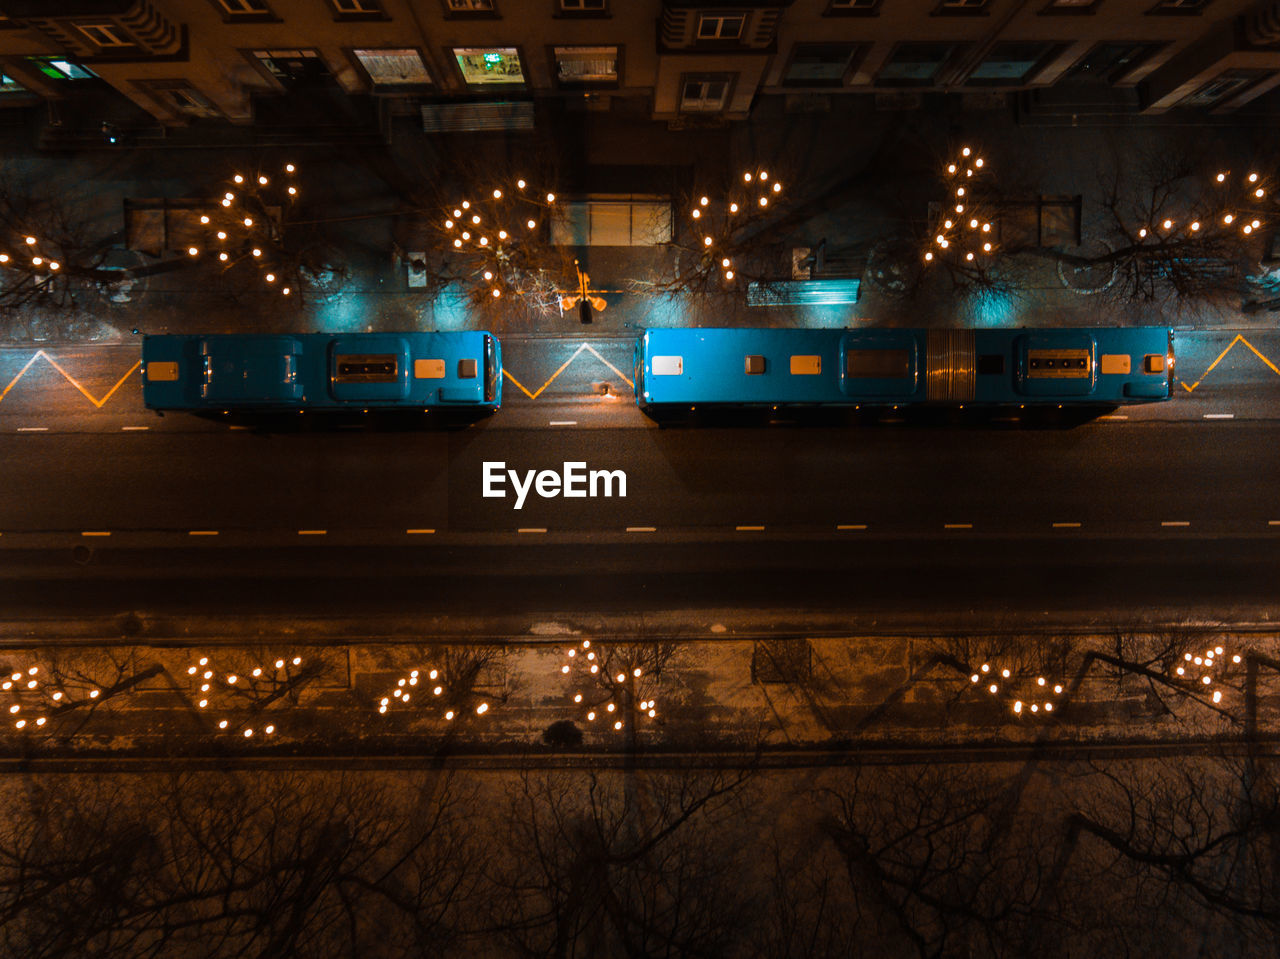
(70, 379)
(576, 353)
(1239, 339)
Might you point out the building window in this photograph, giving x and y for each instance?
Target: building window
(820, 64)
(180, 96)
(358, 9)
(1222, 86)
(587, 64)
(244, 8)
(56, 68)
(856, 8)
(469, 6)
(484, 66)
(293, 66)
(957, 8)
(583, 6)
(10, 85)
(1011, 63)
(106, 36)
(721, 26)
(1112, 62)
(1179, 7)
(394, 67)
(914, 64)
(707, 93)
(1069, 7)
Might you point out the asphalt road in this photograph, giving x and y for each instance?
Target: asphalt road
(1169, 506)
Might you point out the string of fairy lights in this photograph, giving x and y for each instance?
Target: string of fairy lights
(717, 220)
(245, 227)
(33, 700)
(30, 258)
(434, 690)
(1196, 673)
(963, 233)
(602, 685)
(226, 692)
(491, 235)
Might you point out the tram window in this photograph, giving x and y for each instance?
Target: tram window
(382, 368)
(467, 369)
(878, 364)
(1153, 363)
(991, 363)
(755, 365)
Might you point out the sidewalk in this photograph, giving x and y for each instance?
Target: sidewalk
(854, 177)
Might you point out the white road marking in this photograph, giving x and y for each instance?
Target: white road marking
(564, 422)
(95, 532)
(1274, 522)
(312, 532)
(1113, 416)
(33, 429)
(1066, 525)
(957, 526)
(202, 532)
(1175, 522)
(853, 526)
(532, 529)
(419, 532)
(132, 429)
(642, 529)
(1219, 416)
(749, 529)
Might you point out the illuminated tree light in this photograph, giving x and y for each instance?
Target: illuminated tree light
(488, 275)
(1255, 224)
(652, 713)
(497, 194)
(928, 257)
(466, 204)
(1227, 219)
(449, 714)
(271, 277)
(636, 672)
(577, 697)
(289, 167)
(1004, 673)
(951, 168)
(475, 218)
(204, 219)
(223, 724)
(95, 693)
(222, 235)
(564, 669)
(1168, 224)
(1180, 671)
(1235, 659)
(764, 174)
(1221, 177)
(1206, 680)
(618, 724)
(968, 256)
(1217, 696)
(222, 257)
(1142, 233)
(466, 235)
(992, 688)
(777, 187)
(257, 251)
(497, 293)
(484, 241)
(203, 703)
(293, 191)
(457, 213)
(697, 214)
(14, 708)
(1253, 178)
(1017, 706)
(964, 152)
(482, 709)
(286, 291)
(248, 733)
(4, 257)
(530, 224)
(960, 191)
(551, 198)
(986, 228)
(262, 181)
(238, 178)
(611, 707)
(57, 696)
(41, 721)
(502, 234)
(591, 716)
(297, 660)
(457, 243)
(228, 196)
(54, 264)
(706, 241)
(31, 241)
(520, 184)
(764, 201)
(1195, 225)
(248, 221)
(37, 261)
(986, 248)
(733, 208)
(728, 274)
(978, 162)
(1048, 707)
(21, 723)
(746, 178)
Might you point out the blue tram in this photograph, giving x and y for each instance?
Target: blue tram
(322, 372)
(682, 368)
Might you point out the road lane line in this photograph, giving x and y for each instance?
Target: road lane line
(1175, 522)
(202, 532)
(419, 532)
(131, 429)
(749, 529)
(853, 526)
(312, 532)
(1113, 416)
(33, 429)
(642, 529)
(564, 422)
(1219, 416)
(1066, 525)
(957, 526)
(532, 529)
(1274, 522)
(95, 532)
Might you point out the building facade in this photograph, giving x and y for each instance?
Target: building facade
(466, 63)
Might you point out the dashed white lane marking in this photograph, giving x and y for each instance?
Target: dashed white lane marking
(1114, 416)
(749, 529)
(133, 429)
(564, 422)
(419, 532)
(642, 529)
(96, 532)
(853, 526)
(532, 529)
(33, 429)
(202, 532)
(1174, 522)
(957, 526)
(1219, 416)
(1066, 525)
(1274, 522)
(312, 532)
